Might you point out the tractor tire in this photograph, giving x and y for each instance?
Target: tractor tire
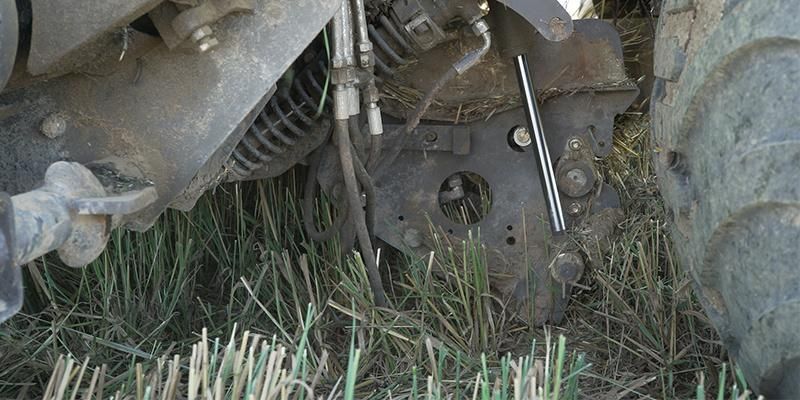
(726, 124)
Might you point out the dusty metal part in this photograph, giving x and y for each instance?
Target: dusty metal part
(189, 21)
(10, 275)
(574, 208)
(575, 144)
(127, 203)
(70, 33)
(70, 213)
(181, 24)
(547, 16)
(423, 21)
(204, 39)
(567, 268)
(165, 112)
(588, 63)
(409, 200)
(53, 126)
(575, 178)
(577, 116)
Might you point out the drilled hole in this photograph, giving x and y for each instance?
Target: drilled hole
(465, 198)
(673, 160)
(510, 228)
(511, 240)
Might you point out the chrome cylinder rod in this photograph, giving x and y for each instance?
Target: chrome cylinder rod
(545, 164)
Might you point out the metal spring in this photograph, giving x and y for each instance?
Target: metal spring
(287, 116)
(396, 49)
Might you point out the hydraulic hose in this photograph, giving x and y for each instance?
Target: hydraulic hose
(357, 215)
(309, 194)
(403, 133)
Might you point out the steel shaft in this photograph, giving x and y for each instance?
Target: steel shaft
(545, 164)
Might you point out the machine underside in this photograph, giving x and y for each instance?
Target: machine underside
(165, 100)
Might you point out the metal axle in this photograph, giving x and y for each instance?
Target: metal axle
(546, 173)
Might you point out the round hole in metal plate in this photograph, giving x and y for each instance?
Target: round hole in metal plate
(465, 198)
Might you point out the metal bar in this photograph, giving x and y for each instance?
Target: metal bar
(546, 173)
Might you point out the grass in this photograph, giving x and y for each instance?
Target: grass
(137, 322)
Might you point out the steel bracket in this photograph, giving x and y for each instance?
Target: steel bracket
(547, 16)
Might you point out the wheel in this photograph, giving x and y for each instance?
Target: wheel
(727, 132)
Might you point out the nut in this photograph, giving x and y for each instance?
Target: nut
(567, 268)
(364, 60)
(480, 27)
(522, 137)
(574, 209)
(575, 178)
(53, 126)
(207, 43)
(201, 32)
(575, 144)
(204, 38)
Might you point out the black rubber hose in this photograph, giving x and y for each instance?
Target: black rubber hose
(357, 137)
(369, 191)
(375, 150)
(403, 133)
(309, 194)
(342, 131)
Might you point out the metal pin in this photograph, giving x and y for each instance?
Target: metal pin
(546, 173)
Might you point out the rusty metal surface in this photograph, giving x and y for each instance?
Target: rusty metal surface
(70, 32)
(167, 113)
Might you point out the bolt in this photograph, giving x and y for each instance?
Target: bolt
(53, 126)
(578, 176)
(204, 38)
(567, 268)
(431, 137)
(575, 144)
(574, 209)
(522, 137)
(364, 60)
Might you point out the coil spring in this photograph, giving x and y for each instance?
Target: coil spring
(288, 115)
(390, 43)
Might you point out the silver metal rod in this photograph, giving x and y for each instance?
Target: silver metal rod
(342, 24)
(361, 21)
(546, 173)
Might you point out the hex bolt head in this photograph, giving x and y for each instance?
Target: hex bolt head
(201, 32)
(53, 126)
(204, 38)
(207, 44)
(522, 137)
(574, 209)
(567, 268)
(575, 144)
(364, 60)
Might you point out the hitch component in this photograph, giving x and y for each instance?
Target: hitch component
(70, 213)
